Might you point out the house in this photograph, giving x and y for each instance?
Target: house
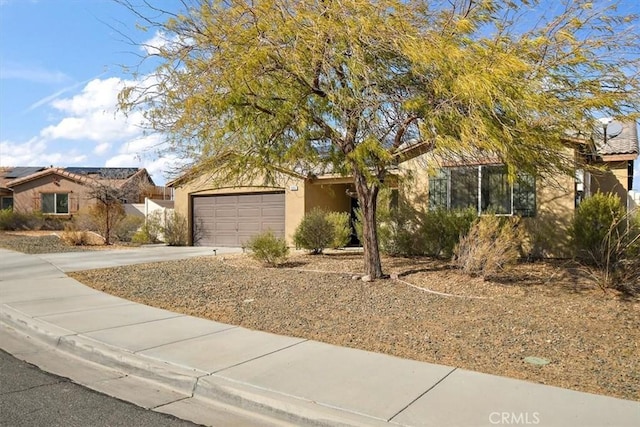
(65, 191)
(228, 214)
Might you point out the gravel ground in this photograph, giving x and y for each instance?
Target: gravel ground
(432, 313)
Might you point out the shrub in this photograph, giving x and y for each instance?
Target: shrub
(490, 246)
(267, 248)
(142, 237)
(315, 232)
(106, 218)
(126, 229)
(620, 249)
(73, 236)
(341, 228)
(175, 230)
(15, 220)
(440, 230)
(406, 231)
(591, 230)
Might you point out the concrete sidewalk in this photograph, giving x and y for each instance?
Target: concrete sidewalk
(182, 365)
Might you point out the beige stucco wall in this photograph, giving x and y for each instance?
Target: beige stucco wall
(613, 180)
(26, 197)
(329, 197)
(548, 232)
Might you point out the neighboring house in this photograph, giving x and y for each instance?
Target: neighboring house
(227, 215)
(65, 191)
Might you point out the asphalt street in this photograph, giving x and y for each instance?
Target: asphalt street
(30, 397)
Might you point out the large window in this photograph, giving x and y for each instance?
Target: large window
(484, 188)
(55, 203)
(6, 203)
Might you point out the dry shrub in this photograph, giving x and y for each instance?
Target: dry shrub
(126, 228)
(73, 236)
(490, 247)
(176, 230)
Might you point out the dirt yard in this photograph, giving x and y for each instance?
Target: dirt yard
(432, 313)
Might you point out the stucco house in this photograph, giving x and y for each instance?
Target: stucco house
(228, 214)
(62, 192)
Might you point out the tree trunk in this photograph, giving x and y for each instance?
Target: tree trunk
(368, 200)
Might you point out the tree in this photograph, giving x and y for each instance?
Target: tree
(110, 192)
(277, 86)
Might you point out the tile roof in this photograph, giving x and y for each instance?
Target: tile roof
(624, 142)
(12, 176)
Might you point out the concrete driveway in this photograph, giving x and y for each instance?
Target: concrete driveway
(88, 260)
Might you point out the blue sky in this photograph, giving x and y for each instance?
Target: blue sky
(60, 73)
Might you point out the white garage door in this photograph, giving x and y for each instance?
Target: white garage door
(231, 219)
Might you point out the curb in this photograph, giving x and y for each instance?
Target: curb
(197, 384)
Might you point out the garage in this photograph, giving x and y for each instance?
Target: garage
(231, 219)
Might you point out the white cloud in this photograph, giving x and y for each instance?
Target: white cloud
(35, 153)
(92, 114)
(102, 148)
(89, 130)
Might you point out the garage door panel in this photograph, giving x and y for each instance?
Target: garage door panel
(230, 220)
(249, 212)
(226, 240)
(276, 212)
(249, 226)
(225, 227)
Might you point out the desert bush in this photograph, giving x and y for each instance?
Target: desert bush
(12, 220)
(175, 230)
(591, 230)
(341, 228)
(440, 230)
(73, 236)
(142, 237)
(314, 233)
(150, 231)
(620, 250)
(126, 229)
(406, 231)
(106, 218)
(490, 246)
(267, 248)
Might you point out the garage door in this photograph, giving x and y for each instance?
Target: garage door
(229, 220)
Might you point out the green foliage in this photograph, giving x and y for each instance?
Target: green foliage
(491, 246)
(404, 230)
(175, 229)
(15, 220)
(592, 227)
(315, 232)
(441, 230)
(143, 237)
(268, 249)
(295, 85)
(341, 228)
(127, 228)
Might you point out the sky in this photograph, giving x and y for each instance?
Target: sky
(60, 74)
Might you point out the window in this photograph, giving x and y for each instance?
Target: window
(55, 203)
(6, 203)
(484, 188)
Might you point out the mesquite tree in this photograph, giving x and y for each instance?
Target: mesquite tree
(279, 86)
